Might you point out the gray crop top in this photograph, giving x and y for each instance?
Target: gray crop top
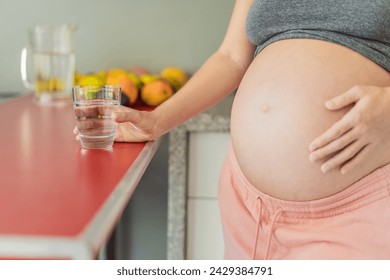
(361, 25)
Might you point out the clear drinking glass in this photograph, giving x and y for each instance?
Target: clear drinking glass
(93, 106)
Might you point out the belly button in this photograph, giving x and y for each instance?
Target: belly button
(265, 108)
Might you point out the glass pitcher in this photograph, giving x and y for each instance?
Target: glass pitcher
(50, 49)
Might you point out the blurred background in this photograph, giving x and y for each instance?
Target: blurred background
(117, 33)
(123, 33)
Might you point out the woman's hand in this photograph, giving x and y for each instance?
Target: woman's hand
(133, 125)
(359, 133)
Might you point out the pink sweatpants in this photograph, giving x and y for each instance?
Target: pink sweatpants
(352, 224)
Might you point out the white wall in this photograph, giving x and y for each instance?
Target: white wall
(117, 33)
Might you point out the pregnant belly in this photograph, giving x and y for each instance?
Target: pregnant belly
(279, 109)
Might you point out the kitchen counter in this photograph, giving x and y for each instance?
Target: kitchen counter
(7, 96)
(216, 119)
(58, 200)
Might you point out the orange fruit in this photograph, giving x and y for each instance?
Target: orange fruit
(117, 76)
(156, 92)
(139, 70)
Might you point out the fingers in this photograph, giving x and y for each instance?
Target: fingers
(76, 132)
(342, 157)
(343, 125)
(129, 115)
(334, 132)
(345, 99)
(356, 160)
(127, 132)
(93, 120)
(120, 134)
(130, 123)
(334, 146)
(94, 126)
(94, 110)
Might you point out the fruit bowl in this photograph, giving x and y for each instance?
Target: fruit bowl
(139, 86)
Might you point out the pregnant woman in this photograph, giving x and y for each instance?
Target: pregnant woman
(307, 173)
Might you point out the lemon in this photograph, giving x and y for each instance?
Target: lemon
(56, 84)
(134, 78)
(175, 76)
(92, 79)
(77, 77)
(49, 85)
(148, 78)
(102, 75)
(40, 86)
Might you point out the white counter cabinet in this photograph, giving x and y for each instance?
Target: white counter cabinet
(197, 150)
(207, 151)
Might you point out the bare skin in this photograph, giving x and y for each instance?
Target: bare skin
(279, 110)
(363, 130)
(219, 76)
(290, 143)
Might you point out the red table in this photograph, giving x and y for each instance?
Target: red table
(56, 199)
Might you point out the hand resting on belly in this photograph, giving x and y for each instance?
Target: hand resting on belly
(361, 132)
(279, 109)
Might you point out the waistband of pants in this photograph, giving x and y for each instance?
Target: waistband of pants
(368, 189)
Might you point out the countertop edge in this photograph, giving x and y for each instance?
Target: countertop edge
(96, 232)
(87, 244)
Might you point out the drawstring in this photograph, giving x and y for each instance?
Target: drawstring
(257, 228)
(273, 221)
(276, 216)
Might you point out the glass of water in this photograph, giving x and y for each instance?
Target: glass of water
(93, 106)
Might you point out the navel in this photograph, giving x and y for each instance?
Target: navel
(265, 108)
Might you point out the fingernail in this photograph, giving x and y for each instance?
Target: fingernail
(343, 171)
(77, 137)
(313, 157)
(312, 147)
(325, 168)
(329, 104)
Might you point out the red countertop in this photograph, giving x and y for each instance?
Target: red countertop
(51, 187)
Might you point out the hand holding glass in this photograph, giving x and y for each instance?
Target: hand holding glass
(93, 106)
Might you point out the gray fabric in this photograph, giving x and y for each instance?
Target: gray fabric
(361, 25)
